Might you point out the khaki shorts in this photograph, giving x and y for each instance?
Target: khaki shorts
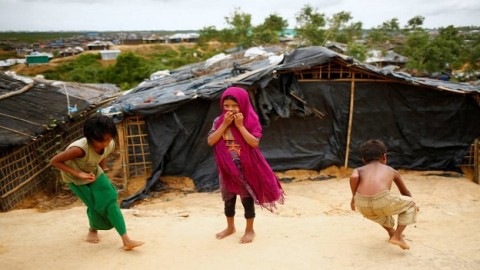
(381, 207)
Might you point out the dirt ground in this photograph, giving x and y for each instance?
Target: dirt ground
(314, 229)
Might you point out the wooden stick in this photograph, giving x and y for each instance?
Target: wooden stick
(350, 119)
(24, 89)
(317, 112)
(122, 147)
(476, 178)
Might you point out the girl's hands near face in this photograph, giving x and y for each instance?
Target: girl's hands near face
(238, 119)
(229, 117)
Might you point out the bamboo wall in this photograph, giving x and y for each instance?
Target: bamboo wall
(134, 148)
(25, 170)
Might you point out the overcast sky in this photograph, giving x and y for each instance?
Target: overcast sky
(124, 15)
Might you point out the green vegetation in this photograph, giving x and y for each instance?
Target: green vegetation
(85, 69)
(454, 48)
(129, 69)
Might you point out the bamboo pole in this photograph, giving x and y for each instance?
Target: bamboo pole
(350, 119)
(476, 165)
(123, 149)
(13, 93)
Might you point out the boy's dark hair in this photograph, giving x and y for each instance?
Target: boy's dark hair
(372, 150)
(97, 126)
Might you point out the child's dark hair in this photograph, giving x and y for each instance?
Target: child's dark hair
(230, 97)
(97, 126)
(372, 150)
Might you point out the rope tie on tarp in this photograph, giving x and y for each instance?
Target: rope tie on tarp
(68, 100)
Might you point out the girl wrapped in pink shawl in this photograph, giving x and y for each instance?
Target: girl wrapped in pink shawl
(242, 168)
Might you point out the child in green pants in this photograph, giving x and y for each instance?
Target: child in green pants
(81, 166)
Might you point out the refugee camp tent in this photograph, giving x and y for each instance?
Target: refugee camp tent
(316, 107)
(38, 118)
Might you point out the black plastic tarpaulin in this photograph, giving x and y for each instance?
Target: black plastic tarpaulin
(425, 124)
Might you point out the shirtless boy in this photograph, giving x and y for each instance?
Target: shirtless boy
(371, 195)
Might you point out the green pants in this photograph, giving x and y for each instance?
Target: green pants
(100, 197)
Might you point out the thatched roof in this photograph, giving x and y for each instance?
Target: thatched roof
(29, 108)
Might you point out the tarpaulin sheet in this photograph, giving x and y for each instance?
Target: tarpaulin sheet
(423, 126)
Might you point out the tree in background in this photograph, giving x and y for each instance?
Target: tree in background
(241, 25)
(471, 53)
(383, 36)
(416, 43)
(208, 33)
(444, 52)
(339, 29)
(310, 26)
(268, 32)
(85, 69)
(357, 50)
(128, 71)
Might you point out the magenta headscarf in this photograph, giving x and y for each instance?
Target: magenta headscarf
(255, 169)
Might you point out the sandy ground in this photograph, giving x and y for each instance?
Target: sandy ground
(315, 229)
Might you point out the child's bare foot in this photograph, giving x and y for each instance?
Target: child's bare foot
(228, 231)
(92, 236)
(247, 237)
(131, 244)
(399, 242)
(390, 234)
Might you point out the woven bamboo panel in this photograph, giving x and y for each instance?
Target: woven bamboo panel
(24, 170)
(135, 151)
(471, 162)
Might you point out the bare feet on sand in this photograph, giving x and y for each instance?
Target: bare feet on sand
(247, 237)
(92, 236)
(399, 242)
(131, 244)
(228, 231)
(390, 234)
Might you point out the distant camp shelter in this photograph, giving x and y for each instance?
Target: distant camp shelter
(37, 59)
(38, 119)
(99, 45)
(109, 54)
(316, 107)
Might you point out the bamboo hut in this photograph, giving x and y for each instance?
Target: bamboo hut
(37, 119)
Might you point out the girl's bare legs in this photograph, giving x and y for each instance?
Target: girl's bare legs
(249, 232)
(229, 230)
(129, 244)
(92, 236)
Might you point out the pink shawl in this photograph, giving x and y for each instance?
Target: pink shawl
(255, 169)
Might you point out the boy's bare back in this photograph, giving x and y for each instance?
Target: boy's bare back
(374, 178)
